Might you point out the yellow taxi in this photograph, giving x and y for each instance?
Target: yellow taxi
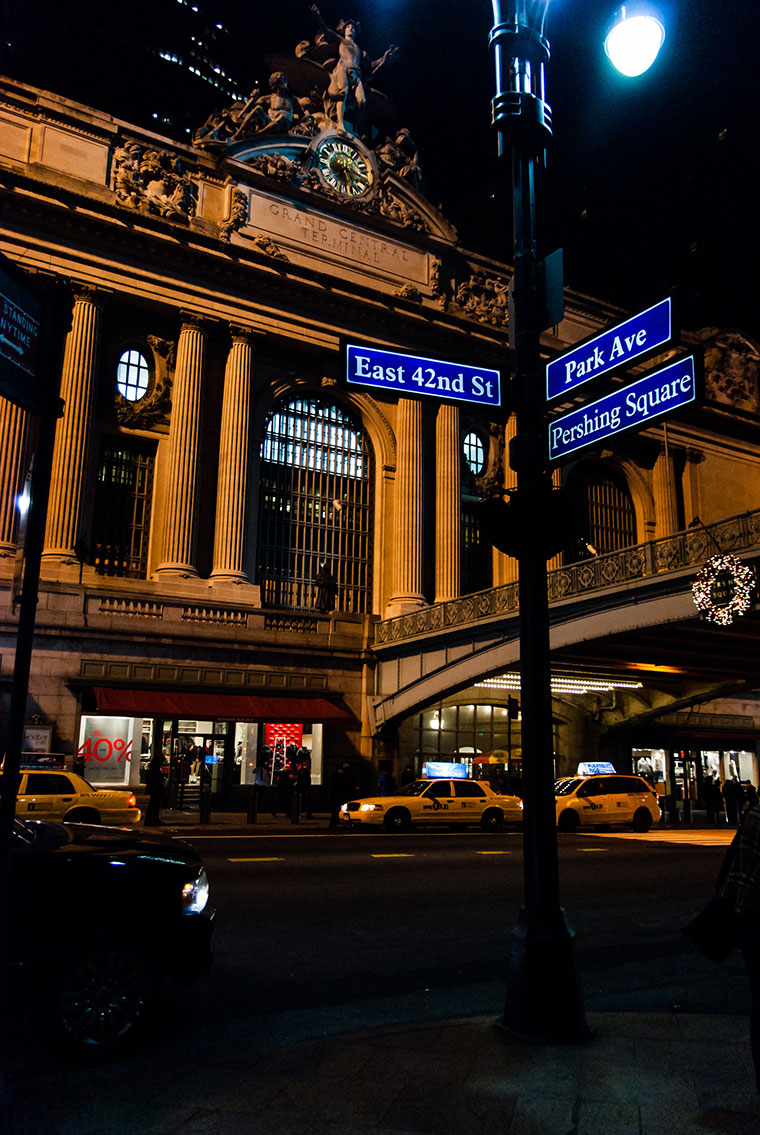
(453, 802)
(583, 801)
(51, 794)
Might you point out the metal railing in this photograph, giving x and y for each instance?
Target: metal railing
(653, 559)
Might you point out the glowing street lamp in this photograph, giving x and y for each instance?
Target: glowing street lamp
(634, 39)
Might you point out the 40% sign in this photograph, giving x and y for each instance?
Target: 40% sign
(103, 749)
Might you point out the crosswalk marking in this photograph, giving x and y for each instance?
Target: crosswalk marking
(698, 837)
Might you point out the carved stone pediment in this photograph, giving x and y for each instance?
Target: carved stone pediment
(153, 181)
(732, 369)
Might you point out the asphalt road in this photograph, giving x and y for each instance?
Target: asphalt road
(320, 933)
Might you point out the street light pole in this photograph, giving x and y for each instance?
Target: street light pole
(543, 1000)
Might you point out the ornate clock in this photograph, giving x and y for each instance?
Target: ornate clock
(344, 165)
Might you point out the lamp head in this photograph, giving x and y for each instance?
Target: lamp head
(634, 38)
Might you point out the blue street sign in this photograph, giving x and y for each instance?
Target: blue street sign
(654, 395)
(414, 375)
(614, 349)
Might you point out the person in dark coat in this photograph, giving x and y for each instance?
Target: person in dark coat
(407, 776)
(734, 797)
(284, 788)
(339, 794)
(154, 782)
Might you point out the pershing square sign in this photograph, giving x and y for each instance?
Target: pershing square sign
(414, 375)
(659, 392)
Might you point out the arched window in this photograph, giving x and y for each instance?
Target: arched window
(607, 507)
(132, 375)
(315, 508)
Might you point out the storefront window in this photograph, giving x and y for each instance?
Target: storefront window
(109, 749)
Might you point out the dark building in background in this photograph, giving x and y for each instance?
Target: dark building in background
(163, 64)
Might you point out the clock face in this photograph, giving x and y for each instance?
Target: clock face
(344, 167)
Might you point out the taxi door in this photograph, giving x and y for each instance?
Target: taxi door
(469, 802)
(436, 803)
(44, 795)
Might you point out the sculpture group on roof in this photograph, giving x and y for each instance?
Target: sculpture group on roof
(324, 85)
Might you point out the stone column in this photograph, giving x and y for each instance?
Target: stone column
(180, 520)
(556, 561)
(692, 494)
(72, 438)
(232, 483)
(448, 504)
(505, 567)
(13, 427)
(407, 520)
(663, 485)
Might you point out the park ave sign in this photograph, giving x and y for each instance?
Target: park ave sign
(615, 349)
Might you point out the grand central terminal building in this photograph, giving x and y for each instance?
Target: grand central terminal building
(246, 554)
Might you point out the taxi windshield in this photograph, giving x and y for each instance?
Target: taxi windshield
(416, 788)
(566, 787)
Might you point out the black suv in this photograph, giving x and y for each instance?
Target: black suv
(105, 919)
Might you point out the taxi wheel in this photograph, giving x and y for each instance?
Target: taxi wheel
(568, 821)
(397, 820)
(492, 820)
(642, 821)
(82, 816)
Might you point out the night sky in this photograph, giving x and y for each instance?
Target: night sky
(652, 185)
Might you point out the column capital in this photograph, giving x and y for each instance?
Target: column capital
(192, 320)
(87, 293)
(239, 333)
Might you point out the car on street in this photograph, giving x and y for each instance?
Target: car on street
(52, 794)
(584, 801)
(101, 923)
(453, 802)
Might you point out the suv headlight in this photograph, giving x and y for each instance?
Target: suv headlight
(195, 894)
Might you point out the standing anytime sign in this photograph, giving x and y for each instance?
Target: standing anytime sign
(654, 395)
(414, 375)
(614, 349)
(20, 327)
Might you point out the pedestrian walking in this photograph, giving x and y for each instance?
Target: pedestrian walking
(338, 789)
(407, 776)
(733, 796)
(154, 782)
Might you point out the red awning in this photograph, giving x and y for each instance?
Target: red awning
(240, 707)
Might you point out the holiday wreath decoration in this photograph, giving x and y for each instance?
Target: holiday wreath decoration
(723, 589)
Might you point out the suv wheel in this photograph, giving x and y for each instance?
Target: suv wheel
(642, 821)
(492, 820)
(569, 821)
(103, 997)
(397, 820)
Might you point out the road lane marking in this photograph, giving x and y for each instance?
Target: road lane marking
(258, 859)
(393, 855)
(494, 853)
(592, 849)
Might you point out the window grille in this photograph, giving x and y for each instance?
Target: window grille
(132, 375)
(123, 498)
(611, 515)
(315, 506)
(474, 453)
(476, 561)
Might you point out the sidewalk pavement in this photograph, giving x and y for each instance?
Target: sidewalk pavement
(640, 1074)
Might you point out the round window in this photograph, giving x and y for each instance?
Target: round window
(132, 375)
(474, 453)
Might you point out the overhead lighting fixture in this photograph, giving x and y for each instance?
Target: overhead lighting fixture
(634, 39)
(563, 684)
